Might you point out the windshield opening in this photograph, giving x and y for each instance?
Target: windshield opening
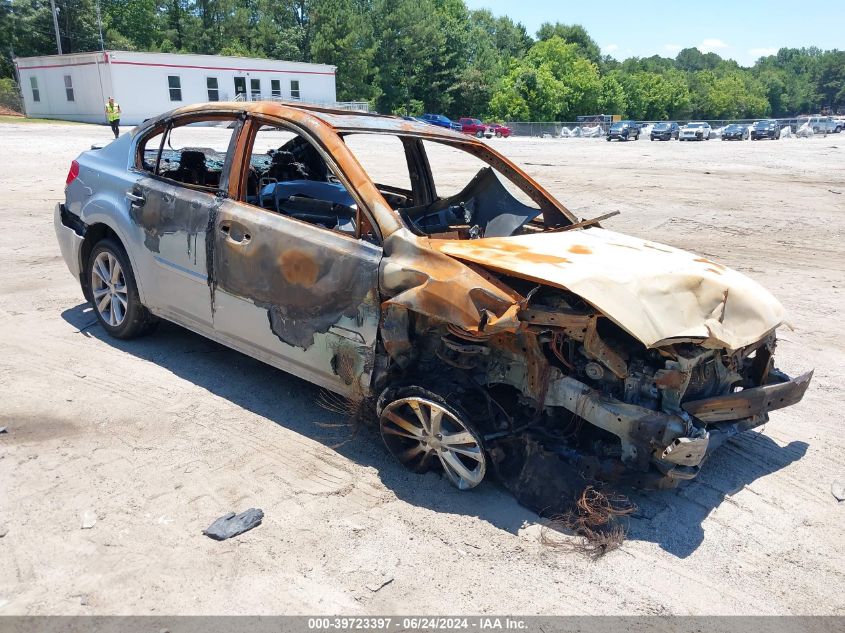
(449, 190)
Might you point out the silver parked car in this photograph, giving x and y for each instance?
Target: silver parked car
(492, 329)
(695, 131)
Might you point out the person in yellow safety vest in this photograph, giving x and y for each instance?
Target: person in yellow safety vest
(113, 115)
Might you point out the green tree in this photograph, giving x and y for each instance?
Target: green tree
(551, 83)
(574, 34)
(342, 35)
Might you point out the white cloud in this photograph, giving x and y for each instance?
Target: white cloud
(673, 48)
(756, 53)
(711, 45)
(611, 48)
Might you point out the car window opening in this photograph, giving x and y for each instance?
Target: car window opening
(473, 199)
(178, 159)
(287, 175)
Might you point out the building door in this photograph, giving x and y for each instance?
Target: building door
(240, 88)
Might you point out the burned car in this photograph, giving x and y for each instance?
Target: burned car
(494, 331)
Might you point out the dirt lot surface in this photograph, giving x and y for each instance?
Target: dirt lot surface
(155, 438)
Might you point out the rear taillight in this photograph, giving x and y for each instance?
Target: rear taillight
(72, 173)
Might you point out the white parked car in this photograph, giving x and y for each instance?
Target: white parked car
(695, 131)
(821, 124)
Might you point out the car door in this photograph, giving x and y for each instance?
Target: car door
(173, 204)
(295, 294)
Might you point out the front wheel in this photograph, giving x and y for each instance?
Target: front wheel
(479, 134)
(498, 135)
(114, 293)
(425, 432)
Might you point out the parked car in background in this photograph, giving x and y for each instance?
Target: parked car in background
(765, 129)
(474, 127)
(665, 131)
(499, 130)
(441, 120)
(735, 132)
(695, 131)
(624, 131)
(821, 124)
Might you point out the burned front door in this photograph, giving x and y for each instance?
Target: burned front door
(296, 295)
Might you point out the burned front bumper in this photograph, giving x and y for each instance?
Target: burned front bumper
(659, 449)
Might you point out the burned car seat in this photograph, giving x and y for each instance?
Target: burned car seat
(192, 169)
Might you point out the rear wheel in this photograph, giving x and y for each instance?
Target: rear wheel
(498, 135)
(479, 134)
(424, 433)
(114, 293)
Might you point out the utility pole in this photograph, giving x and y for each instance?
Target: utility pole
(100, 25)
(56, 25)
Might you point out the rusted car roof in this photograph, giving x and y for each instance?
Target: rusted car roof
(338, 120)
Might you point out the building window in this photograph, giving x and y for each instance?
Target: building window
(213, 92)
(294, 88)
(255, 89)
(175, 86)
(68, 88)
(36, 94)
(275, 88)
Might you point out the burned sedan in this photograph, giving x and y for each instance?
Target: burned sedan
(494, 331)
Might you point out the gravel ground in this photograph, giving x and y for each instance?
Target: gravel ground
(153, 439)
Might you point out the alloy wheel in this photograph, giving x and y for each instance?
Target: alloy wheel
(420, 433)
(108, 287)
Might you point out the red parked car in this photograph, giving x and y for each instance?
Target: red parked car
(499, 130)
(474, 127)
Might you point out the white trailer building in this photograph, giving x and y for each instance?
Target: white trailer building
(75, 87)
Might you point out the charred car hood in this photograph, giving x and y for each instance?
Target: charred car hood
(657, 293)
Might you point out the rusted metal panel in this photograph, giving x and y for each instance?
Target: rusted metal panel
(750, 402)
(306, 277)
(440, 287)
(658, 294)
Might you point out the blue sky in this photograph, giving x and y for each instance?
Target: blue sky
(743, 30)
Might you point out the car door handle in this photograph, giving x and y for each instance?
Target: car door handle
(238, 236)
(135, 198)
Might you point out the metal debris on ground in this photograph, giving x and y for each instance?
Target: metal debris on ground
(379, 584)
(837, 488)
(232, 524)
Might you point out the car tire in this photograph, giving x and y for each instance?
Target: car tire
(498, 135)
(636, 137)
(405, 422)
(113, 292)
(479, 134)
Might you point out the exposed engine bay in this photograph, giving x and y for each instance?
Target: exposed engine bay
(573, 397)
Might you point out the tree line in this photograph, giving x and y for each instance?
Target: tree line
(414, 56)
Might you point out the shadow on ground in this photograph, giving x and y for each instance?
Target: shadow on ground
(672, 519)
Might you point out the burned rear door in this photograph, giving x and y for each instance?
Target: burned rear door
(298, 295)
(174, 203)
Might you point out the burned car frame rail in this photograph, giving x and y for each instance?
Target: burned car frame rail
(493, 335)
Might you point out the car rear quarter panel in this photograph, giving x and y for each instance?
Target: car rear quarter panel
(98, 196)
